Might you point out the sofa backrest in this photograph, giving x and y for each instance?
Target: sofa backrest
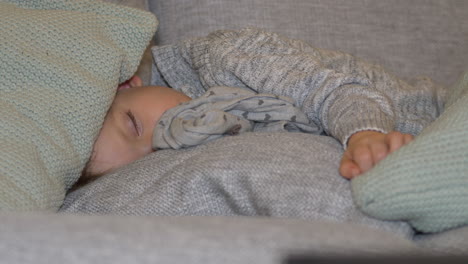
(411, 38)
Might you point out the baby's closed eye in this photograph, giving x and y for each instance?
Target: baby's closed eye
(135, 124)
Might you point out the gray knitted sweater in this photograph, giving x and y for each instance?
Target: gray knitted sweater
(337, 91)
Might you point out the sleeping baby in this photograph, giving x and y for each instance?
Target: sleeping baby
(230, 82)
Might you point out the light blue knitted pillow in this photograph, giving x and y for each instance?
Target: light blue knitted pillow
(60, 64)
(425, 182)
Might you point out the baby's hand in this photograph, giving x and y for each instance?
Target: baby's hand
(366, 148)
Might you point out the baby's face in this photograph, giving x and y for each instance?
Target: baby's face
(127, 131)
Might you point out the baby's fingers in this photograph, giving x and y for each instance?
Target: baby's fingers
(380, 150)
(363, 157)
(348, 168)
(396, 140)
(408, 138)
(366, 156)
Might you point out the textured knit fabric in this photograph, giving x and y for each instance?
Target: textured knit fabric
(285, 175)
(144, 69)
(425, 182)
(410, 38)
(60, 63)
(338, 92)
(228, 111)
(107, 239)
(453, 241)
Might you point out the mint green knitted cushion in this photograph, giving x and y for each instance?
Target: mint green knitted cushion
(425, 182)
(60, 64)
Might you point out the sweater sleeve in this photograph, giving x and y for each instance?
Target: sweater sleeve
(338, 98)
(338, 92)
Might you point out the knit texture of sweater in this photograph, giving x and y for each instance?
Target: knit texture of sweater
(337, 91)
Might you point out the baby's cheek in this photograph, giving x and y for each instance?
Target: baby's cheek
(142, 151)
(147, 149)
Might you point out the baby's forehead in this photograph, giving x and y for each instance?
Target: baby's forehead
(147, 90)
(136, 92)
(149, 94)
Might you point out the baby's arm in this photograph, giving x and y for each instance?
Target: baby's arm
(339, 93)
(366, 148)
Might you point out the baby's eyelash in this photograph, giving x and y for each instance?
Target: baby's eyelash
(135, 123)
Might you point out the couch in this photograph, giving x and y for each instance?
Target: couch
(125, 218)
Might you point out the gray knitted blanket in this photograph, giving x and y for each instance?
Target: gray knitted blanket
(228, 111)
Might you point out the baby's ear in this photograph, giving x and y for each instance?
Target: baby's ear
(135, 81)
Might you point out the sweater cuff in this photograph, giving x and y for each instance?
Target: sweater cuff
(373, 121)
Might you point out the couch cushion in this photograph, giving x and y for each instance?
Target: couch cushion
(454, 241)
(60, 63)
(410, 38)
(144, 69)
(76, 239)
(426, 181)
(286, 175)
